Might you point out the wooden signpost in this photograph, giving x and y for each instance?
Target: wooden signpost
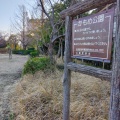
(74, 47)
(115, 83)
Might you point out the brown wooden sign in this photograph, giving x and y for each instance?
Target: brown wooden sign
(95, 34)
(92, 36)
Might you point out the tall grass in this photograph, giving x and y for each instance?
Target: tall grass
(39, 97)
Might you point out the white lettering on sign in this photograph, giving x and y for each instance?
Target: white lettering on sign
(96, 19)
(92, 35)
(92, 43)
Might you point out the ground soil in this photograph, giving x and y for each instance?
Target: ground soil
(10, 73)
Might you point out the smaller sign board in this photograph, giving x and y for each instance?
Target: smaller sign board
(92, 36)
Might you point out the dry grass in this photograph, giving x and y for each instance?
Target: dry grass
(39, 97)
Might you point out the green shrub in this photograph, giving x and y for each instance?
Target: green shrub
(32, 49)
(29, 51)
(11, 116)
(23, 52)
(35, 64)
(34, 54)
(14, 51)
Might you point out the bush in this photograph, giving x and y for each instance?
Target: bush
(23, 52)
(32, 49)
(34, 54)
(14, 51)
(29, 51)
(35, 64)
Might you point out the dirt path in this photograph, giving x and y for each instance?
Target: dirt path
(10, 72)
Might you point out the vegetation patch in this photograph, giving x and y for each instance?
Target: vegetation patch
(34, 54)
(35, 64)
(39, 97)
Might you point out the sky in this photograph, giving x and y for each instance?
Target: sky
(8, 8)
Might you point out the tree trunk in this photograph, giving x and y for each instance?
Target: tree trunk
(24, 47)
(115, 84)
(50, 48)
(59, 50)
(50, 52)
(15, 46)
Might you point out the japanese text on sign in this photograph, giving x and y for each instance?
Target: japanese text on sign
(92, 36)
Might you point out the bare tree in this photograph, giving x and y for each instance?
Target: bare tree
(21, 25)
(47, 7)
(13, 40)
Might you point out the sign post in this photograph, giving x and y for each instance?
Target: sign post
(115, 83)
(96, 44)
(67, 72)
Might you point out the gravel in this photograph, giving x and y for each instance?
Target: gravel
(10, 73)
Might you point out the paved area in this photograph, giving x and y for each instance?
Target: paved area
(10, 72)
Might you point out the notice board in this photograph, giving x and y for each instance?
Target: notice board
(92, 36)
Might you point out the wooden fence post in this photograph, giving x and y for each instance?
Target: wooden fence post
(67, 72)
(115, 83)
